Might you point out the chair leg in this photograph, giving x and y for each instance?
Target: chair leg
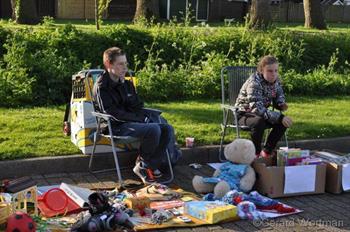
(222, 139)
(286, 139)
(171, 178)
(95, 143)
(93, 151)
(114, 150)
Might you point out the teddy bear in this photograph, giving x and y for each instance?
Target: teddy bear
(236, 173)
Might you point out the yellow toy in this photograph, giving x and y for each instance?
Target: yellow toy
(19, 202)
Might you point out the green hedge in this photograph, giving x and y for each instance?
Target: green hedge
(171, 62)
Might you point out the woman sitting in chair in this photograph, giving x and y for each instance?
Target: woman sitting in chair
(262, 90)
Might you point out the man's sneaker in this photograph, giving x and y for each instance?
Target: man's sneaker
(145, 174)
(157, 174)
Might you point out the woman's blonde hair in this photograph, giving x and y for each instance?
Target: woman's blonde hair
(266, 60)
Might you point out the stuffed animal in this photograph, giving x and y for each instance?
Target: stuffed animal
(234, 174)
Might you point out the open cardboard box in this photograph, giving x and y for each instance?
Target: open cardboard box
(334, 178)
(334, 174)
(270, 179)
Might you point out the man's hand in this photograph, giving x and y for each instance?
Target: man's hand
(287, 121)
(283, 106)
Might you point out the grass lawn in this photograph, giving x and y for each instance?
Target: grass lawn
(32, 132)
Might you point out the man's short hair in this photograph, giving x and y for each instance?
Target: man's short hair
(111, 54)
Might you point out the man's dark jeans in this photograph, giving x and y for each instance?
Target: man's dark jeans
(258, 126)
(154, 138)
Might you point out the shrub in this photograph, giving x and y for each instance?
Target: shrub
(171, 61)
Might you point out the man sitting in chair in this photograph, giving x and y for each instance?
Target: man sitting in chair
(261, 90)
(118, 98)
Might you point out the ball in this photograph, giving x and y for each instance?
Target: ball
(20, 222)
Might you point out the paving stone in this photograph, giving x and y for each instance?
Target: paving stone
(56, 175)
(231, 226)
(214, 227)
(201, 229)
(246, 226)
(183, 230)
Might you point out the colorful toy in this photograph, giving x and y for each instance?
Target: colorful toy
(20, 222)
(234, 174)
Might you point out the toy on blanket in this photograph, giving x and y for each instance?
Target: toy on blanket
(234, 174)
(102, 216)
(158, 192)
(247, 204)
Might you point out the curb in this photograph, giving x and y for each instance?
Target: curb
(80, 163)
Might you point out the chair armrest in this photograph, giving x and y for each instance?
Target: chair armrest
(154, 111)
(105, 116)
(229, 107)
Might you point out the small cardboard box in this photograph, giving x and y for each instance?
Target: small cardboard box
(210, 211)
(137, 203)
(271, 179)
(334, 172)
(334, 178)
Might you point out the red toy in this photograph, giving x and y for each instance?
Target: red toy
(20, 222)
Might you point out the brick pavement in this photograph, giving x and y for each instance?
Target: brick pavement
(324, 212)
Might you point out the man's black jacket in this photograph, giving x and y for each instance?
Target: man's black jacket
(118, 99)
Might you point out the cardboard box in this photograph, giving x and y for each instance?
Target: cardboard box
(334, 173)
(270, 179)
(334, 178)
(210, 211)
(137, 203)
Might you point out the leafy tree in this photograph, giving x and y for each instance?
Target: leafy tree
(260, 15)
(101, 7)
(25, 11)
(145, 9)
(313, 15)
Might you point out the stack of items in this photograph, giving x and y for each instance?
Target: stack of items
(294, 156)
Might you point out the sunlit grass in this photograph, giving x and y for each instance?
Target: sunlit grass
(32, 132)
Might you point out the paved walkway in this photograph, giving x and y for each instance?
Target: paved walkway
(325, 212)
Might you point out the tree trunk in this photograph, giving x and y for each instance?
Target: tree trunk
(260, 15)
(97, 21)
(25, 11)
(146, 9)
(13, 7)
(313, 15)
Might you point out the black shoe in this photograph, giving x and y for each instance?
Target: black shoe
(157, 174)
